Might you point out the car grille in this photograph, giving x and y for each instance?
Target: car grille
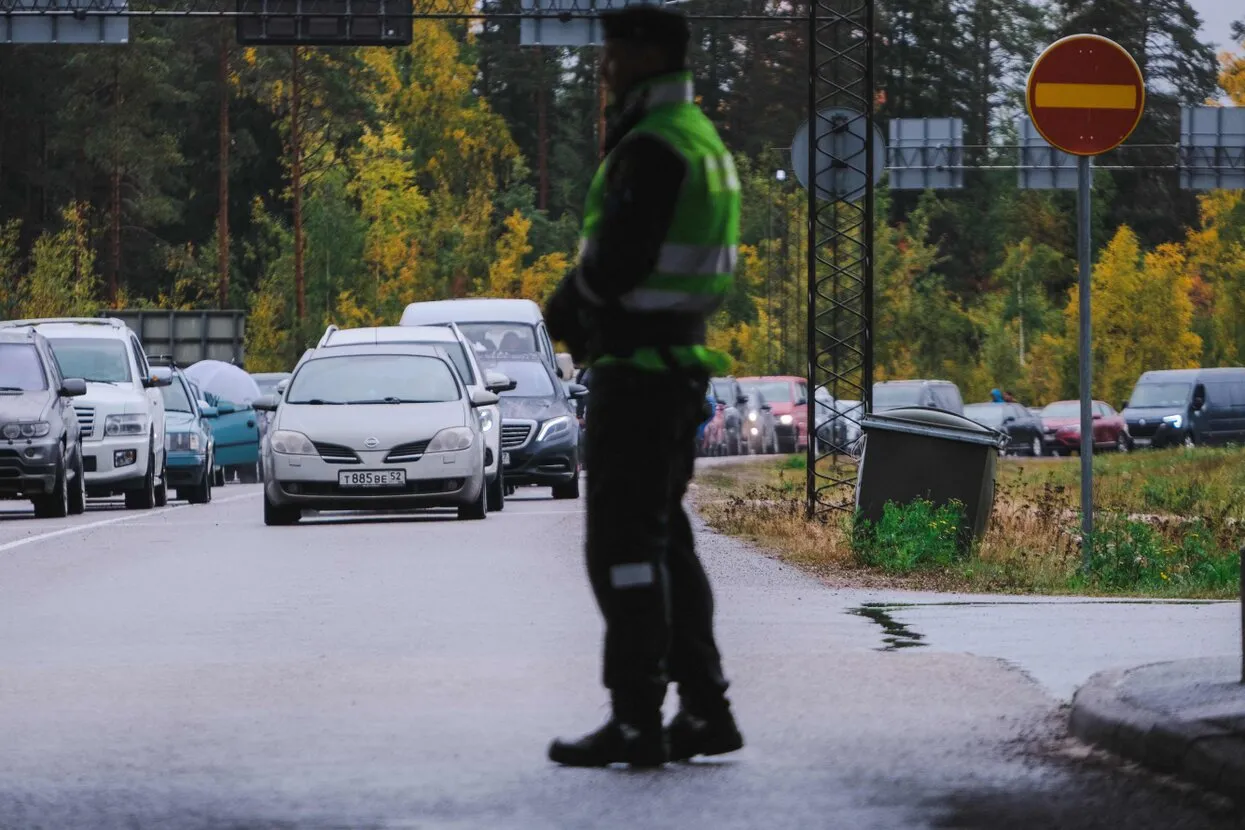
(412, 451)
(515, 435)
(336, 454)
(415, 487)
(1147, 431)
(86, 420)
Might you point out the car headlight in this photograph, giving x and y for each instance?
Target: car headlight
(752, 416)
(450, 440)
(289, 442)
(129, 424)
(554, 428)
(786, 420)
(32, 429)
(183, 442)
(1176, 421)
(486, 419)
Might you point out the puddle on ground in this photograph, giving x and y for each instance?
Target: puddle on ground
(897, 635)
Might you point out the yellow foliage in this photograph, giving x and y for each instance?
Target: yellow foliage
(62, 280)
(508, 276)
(267, 340)
(1132, 335)
(1232, 76)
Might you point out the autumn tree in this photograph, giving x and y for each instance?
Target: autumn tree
(62, 281)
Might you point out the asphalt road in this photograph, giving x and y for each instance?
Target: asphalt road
(190, 668)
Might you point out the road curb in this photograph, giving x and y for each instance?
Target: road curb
(1203, 753)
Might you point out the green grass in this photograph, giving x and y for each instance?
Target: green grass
(1169, 524)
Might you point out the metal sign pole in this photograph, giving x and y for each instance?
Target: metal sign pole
(1086, 357)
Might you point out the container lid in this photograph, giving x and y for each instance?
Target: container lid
(934, 423)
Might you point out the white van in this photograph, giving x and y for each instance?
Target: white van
(495, 327)
(121, 416)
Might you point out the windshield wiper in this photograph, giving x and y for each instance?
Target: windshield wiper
(11, 389)
(391, 399)
(318, 402)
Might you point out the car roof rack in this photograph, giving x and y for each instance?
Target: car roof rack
(328, 332)
(111, 322)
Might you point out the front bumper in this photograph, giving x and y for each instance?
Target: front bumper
(543, 464)
(185, 469)
(103, 460)
(27, 468)
(791, 433)
(438, 479)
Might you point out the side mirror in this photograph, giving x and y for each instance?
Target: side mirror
(73, 387)
(577, 390)
(483, 397)
(497, 383)
(767, 407)
(207, 410)
(282, 385)
(742, 400)
(1010, 419)
(266, 403)
(1097, 417)
(155, 382)
(1198, 403)
(226, 408)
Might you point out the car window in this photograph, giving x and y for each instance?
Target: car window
(517, 338)
(1219, 394)
(531, 379)
(1063, 409)
(889, 397)
(775, 391)
(140, 358)
(176, 397)
(373, 379)
(989, 414)
(1166, 394)
(20, 368)
(94, 359)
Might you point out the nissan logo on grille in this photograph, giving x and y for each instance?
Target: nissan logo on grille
(371, 443)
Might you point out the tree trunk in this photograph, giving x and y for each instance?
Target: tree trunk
(115, 232)
(296, 184)
(222, 216)
(542, 131)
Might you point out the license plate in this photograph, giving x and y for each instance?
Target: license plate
(371, 478)
(505, 459)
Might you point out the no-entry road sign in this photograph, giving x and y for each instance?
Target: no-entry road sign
(1085, 94)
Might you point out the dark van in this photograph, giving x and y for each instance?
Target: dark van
(1187, 406)
(896, 394)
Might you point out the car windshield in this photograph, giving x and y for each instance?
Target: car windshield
(176, 399)
(1063, 409)
(373, 379)
(891, 397)
(988, 414)
(774, 391)
(530, 376)
(20, 369)
(722, 391)
(98, 360)
(517, 338)
(1160, 394)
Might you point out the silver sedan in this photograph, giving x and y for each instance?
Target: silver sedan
(374, 427)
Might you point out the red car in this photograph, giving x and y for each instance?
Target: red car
(788, 399)
(1061, 423)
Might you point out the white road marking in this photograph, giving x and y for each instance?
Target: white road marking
(65, 531)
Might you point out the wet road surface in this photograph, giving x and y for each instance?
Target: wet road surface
(190, 668)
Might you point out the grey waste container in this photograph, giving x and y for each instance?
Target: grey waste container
(922, 453)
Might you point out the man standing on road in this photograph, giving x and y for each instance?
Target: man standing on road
(657, 257)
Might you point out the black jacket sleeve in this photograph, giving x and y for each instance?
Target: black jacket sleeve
(643, 181)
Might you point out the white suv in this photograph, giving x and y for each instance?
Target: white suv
(122, 413)
(458, 350)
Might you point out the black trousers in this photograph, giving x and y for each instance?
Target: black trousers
(642, 563)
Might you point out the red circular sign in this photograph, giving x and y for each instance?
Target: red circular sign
(1085, 94)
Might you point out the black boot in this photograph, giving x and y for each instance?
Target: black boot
(614, 743)
(711, 733)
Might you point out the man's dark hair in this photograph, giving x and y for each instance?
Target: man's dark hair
(665, 29)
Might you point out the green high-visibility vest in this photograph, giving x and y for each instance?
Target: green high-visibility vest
(696, 265)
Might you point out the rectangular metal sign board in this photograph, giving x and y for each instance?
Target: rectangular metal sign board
(567, 22)
(29, 22)
(325, 22)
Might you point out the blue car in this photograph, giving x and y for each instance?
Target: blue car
(236, 431)
(189, 443)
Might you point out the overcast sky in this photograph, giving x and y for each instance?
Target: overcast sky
(1217, 16)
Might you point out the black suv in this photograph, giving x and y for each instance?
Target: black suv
(40, 445)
